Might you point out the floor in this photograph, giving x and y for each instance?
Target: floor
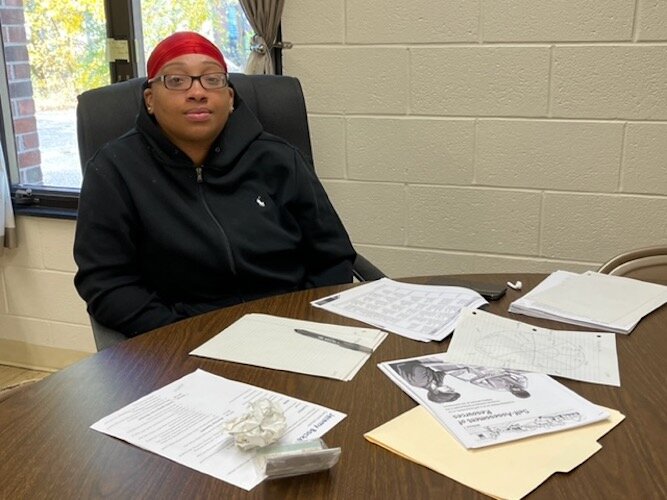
(12, 377)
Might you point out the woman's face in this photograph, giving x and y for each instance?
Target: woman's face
(190, 118)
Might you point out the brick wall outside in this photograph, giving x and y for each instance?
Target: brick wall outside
(20, 90)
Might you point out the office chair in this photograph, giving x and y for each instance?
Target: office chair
(108, 112)
(105, 336)
(646, 264)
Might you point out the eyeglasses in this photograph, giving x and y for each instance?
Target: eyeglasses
(210, 81)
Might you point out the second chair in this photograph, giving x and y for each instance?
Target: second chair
(647, 264)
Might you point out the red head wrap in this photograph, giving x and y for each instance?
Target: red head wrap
(178, 44)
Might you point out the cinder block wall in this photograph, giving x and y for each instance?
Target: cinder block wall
(452, 136)
(491, 135)
(43, 322)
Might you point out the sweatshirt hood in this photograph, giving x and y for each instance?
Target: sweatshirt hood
(241, 129)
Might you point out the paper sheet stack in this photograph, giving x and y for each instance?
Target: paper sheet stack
(611, 303)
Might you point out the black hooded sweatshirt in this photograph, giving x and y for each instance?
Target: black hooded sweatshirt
(158, 240)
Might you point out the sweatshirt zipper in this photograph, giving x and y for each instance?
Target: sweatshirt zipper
(225, 239)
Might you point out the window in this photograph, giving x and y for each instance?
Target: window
(222, 21)
(53, 50)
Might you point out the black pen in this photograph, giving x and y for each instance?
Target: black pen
(326, 300)
(332, 340)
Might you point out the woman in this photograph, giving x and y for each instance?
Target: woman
(197, 207)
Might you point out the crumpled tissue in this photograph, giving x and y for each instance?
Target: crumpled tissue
(264, 424)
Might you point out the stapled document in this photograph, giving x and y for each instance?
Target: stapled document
(482, 406)
(595, 300)
(183, 422)
(418, 312)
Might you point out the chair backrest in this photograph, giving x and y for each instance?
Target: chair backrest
(108, 112)
(647, 264)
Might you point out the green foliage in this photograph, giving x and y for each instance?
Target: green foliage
(66, 43)
(67, 39)
(211, 18)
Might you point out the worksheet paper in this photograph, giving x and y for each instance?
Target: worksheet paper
(418, 312)
(595, 300)
(482, 338)
(483, 406)
(183, 422)
(271, 342)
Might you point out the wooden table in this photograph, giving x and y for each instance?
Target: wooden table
(48, 450)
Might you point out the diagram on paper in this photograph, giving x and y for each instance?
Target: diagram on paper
(544, 350)
(489, 340)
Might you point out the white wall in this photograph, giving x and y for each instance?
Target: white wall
(453, 137)
(488, 136)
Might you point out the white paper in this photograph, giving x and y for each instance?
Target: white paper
(484, 339)
(486, 406)
(591, 299)
(263, 425)
(418, 312)
(271, 342)
(183, 422)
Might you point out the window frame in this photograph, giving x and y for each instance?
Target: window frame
(61, 202)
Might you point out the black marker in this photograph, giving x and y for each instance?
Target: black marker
(332, 340)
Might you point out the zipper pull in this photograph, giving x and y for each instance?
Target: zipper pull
(200, 176)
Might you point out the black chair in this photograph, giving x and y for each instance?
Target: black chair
(108, 112)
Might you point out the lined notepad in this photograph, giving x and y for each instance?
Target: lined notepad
(271, 342)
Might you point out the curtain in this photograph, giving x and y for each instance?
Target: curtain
(7, 223)
(264, 17)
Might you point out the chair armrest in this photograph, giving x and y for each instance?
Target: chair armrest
(105, 336)
(363, 270)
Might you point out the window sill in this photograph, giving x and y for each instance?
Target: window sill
(48, 212)
(39, 202)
